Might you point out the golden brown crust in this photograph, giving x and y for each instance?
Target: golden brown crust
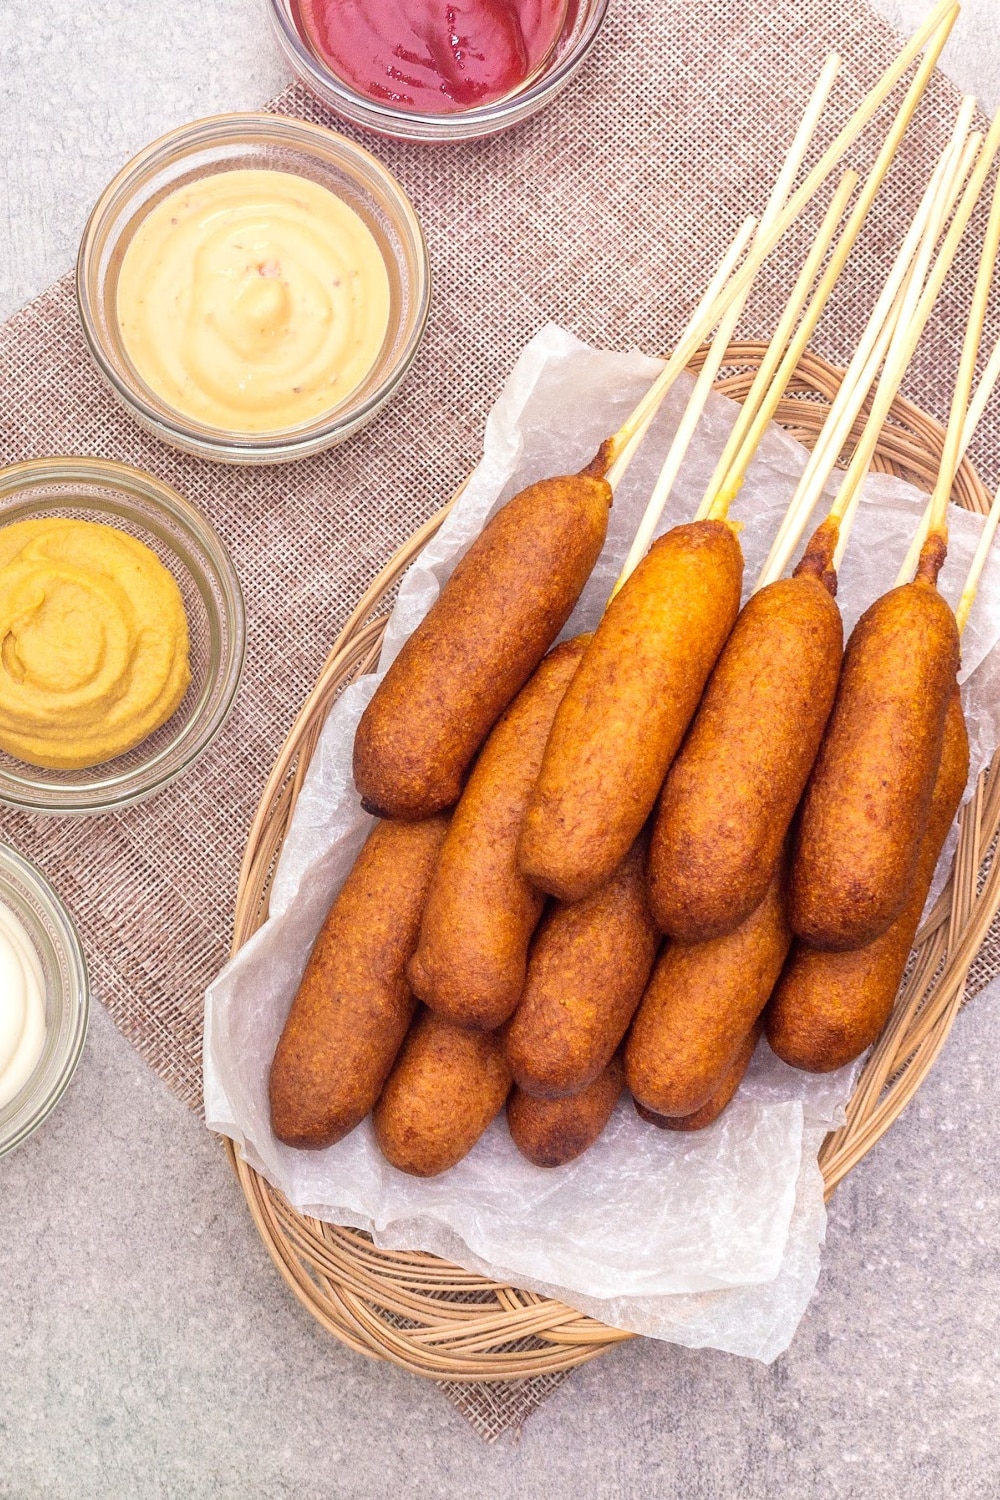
(589, 965)
(700, 1004)
(723, 1093)
(446, 1087)
(829, 1007)
(932, 558)
(817, 560)
(481, 911)
(353, 1006)
(732, 791)
(602, 459)
(552, 1132)
(497, 615)
(620, 723)
(870, 790)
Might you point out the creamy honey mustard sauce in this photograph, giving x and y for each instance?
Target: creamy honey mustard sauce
(93, 642)
(253, 301)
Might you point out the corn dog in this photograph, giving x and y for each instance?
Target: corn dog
(856, 854)
(731, 793)
(701, 1002)
(552, 1132)
(720, 1097)
(353, 1006)
(828, 1007)
(496, 617)
(446, 1087)
(626, 711)
(481, 911)
(588, 968)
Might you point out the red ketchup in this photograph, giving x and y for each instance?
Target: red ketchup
(434, 57)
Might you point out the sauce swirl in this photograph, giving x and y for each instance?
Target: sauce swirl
(93, 642)
(253, 300)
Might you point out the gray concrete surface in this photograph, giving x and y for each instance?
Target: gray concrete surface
(972, 52)
(147, 1347)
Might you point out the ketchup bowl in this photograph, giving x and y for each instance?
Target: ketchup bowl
(267, 302)
(475, 90)
(26, 893)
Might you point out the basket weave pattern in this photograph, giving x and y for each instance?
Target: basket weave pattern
(439, 1321)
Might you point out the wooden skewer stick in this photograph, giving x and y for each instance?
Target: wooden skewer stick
(963, 213)
(626, 440)
(977, 406)
(915, 312)
(932, 34)
(857, 379)
(718, 499)
(966, 371)
(730, 468)
(860, 375)
(764, 394)
(782, 187)
(966, 430)
(778, 196)
(908, 272)
(727, 327)
(984, 390)
(978, 563)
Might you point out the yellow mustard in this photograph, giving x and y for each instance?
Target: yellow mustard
(93, 642)
(253, 301)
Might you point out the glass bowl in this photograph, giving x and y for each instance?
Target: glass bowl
(584, 19)
(26, 892)
(95, 490)
(260, 141)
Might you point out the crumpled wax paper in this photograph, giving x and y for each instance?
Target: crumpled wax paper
(710, 1238)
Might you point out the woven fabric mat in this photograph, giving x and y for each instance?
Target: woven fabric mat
(607, 213)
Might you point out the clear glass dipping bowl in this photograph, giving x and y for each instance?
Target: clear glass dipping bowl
(26, 892)
(584, 19)
(92, 489)
(258, 141)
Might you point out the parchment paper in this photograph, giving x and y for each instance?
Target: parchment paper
(711, 1238)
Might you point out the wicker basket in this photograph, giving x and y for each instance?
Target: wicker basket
(437, 1320)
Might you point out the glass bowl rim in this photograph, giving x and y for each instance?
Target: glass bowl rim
(77, 996)
(88, 800)
(283, 444)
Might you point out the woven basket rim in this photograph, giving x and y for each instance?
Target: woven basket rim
(414, 1309)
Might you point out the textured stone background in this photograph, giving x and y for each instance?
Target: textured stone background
(148, 1347)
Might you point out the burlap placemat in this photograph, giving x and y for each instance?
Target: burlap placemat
(607, 214)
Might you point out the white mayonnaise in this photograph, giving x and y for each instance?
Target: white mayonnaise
(22, 1006)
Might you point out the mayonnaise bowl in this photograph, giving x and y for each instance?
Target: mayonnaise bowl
(253, 288)
(44, 920)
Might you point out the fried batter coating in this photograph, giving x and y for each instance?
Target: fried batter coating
(496, 617)
(625, 714)
(732, 791)
(353, 1006)
(589, 965)
(724, 1091)
(829, 1007)
(701, 1002)
(552, 1132)
(870, 791)
(447, 1085)
(481, 911)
